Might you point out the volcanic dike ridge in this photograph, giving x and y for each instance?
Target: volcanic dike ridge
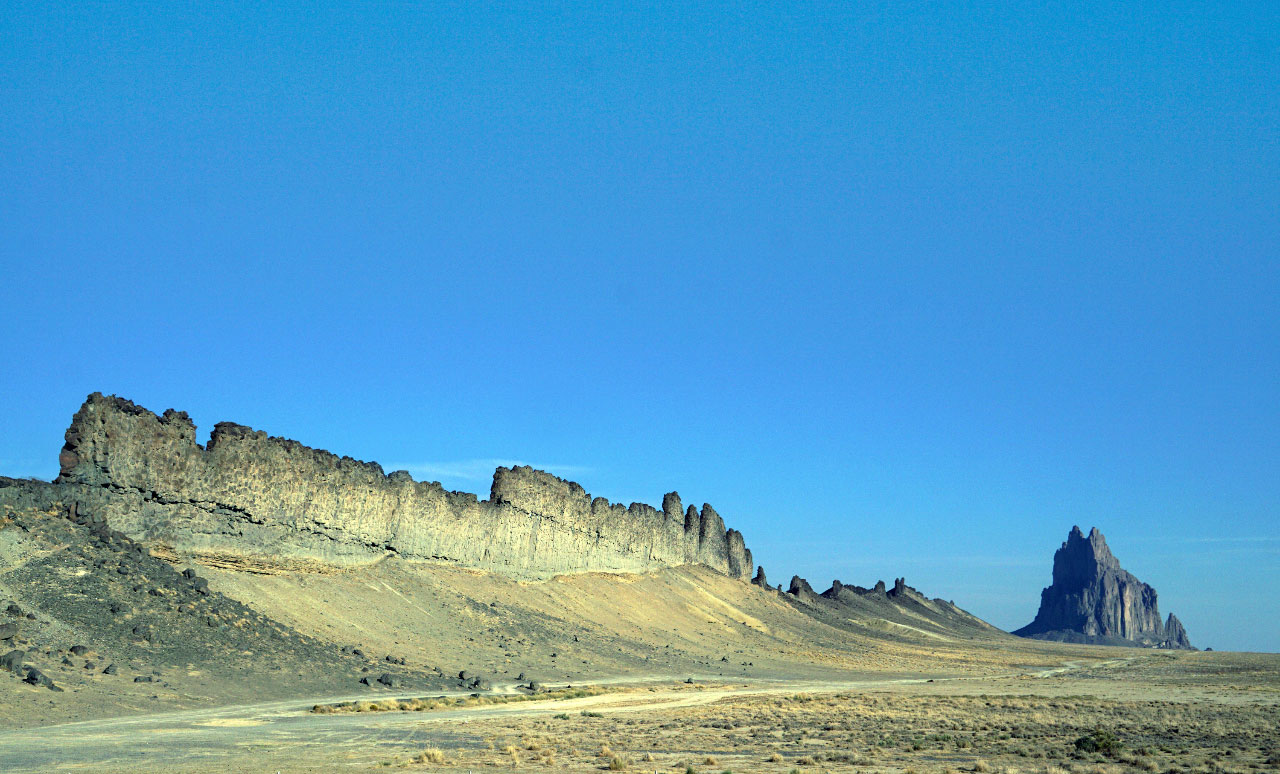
(248, 497)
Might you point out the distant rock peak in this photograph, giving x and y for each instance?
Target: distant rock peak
(1094, 600)
(1081, 560)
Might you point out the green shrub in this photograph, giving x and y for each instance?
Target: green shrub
(1100, 740)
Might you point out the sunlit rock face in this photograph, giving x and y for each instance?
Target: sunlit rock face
(1093, 600)
(248, 494)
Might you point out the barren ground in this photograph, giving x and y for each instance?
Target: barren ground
(704, 674)
(1206, 713)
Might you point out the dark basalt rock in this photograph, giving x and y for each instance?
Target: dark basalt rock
(800, 589)
(13, 660)
(128, 470)
(1092, 600)
(40, 679)
(1175, 635)
(760, 580)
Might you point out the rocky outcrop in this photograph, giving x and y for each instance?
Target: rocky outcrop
(1175, 635)
(1093, 600)
(900, 611)
(801, 590)
(247, 494)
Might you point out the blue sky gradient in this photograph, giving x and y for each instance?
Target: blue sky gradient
(902, 289)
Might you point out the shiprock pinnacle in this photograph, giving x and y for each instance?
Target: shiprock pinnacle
(1093, 600)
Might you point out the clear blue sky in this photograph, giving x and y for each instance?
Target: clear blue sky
(902, 289)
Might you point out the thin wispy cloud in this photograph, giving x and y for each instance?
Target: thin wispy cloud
(1198, 540)
(479, 469)
(927, 558)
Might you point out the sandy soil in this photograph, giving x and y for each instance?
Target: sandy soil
(632, 721)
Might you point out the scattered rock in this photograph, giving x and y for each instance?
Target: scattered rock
(8, 631)
(40, 679)
(12, 661)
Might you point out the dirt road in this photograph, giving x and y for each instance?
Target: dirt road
(279, 733)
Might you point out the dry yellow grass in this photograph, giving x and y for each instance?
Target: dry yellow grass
(887, 732)
(429, 704)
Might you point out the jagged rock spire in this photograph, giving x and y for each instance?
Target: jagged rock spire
(1093, 600)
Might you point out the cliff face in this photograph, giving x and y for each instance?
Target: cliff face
(1093, 600)
(247, 494)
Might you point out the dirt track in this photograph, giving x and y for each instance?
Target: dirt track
(225, 737)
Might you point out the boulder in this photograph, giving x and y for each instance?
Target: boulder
(12, 661)
(37, 678)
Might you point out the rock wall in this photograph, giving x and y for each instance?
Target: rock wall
(249, 494)
(1093, 600)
